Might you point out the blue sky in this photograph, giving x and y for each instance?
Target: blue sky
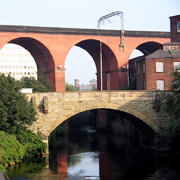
(138, 15)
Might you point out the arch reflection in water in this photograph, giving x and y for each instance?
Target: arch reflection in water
(96, 156)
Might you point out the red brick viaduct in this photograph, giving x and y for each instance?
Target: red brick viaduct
(50, 47)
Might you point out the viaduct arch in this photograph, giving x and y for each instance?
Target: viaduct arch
(109, 60)
(50, 46)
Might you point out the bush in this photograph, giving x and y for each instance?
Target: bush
(3, 169)
(10, 148)
(32, 143)
(14, 148)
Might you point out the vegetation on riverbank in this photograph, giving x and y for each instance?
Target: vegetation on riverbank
(16, 114)
(171, 106)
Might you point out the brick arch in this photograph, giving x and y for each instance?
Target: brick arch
(39, 52)
(149, 47)
(110, 63)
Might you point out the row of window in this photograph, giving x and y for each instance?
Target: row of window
(159, 67)
(16, 67)
(14, 55)
(13, 47)
(17, 61)
(144, 68)
(19, 73)
(159, 83)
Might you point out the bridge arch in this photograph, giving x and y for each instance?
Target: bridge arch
(55, 108)
(119, 121)
(109, 60)
(40, 53)
(138, 117)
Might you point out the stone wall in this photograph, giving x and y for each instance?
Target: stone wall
(54, 108)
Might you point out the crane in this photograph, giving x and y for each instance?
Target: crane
(116, 13)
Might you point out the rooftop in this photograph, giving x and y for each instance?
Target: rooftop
(161, 54)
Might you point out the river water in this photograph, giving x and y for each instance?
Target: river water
(89, 155)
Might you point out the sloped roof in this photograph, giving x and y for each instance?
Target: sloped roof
(161, 54)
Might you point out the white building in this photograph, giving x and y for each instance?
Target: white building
(17, 62)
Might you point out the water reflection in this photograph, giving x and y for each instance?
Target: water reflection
(94, 156)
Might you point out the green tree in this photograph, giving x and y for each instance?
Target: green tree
(132, 85)
(15, 111)
(94, 88)
(42, 78)
(171, 105)
(70, 87)
(30, 82)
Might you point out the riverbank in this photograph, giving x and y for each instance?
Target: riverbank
(16, 147)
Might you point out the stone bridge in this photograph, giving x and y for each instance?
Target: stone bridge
(53, 108)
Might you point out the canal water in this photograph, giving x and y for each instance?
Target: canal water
(88, 155)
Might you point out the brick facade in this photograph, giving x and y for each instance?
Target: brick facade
(175, 32)
(147, 78)
(148, 75)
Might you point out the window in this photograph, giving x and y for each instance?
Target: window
(138, 69)
(160, 84)
(178, 27)
(144, 85)
(144, 69)
(176, 64)
(138, 86)
(159, 67)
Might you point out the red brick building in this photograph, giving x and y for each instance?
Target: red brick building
(175, 28)
(153, 71)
